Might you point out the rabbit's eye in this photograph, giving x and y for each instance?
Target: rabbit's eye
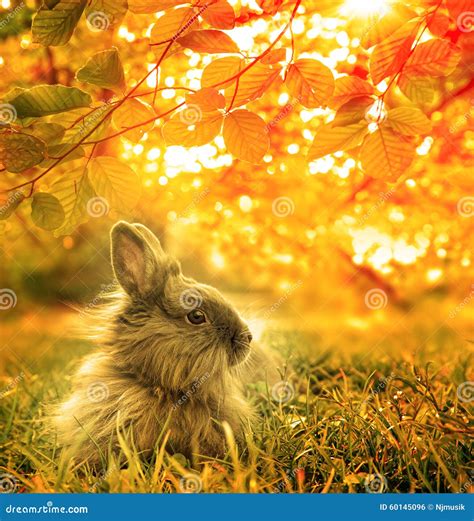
(196, 317)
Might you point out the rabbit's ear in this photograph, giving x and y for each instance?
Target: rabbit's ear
(150, 237)
(137, 267)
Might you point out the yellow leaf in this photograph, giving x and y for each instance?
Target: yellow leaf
(152, 6)
(386, 155)
(173, 24)
(220, 69)
(310, 81)
(220, 15)
(191, 127)
(332, 139)
(409, 121)
(386, 25)
(116, 182)
(206, 99)
(134, 114)
(252, 84)
(245, 135)
(433, 58)
(209, 41)
(348, 87)
(390, 55)
(74, 192)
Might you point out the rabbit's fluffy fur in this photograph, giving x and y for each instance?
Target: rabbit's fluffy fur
(156, 373)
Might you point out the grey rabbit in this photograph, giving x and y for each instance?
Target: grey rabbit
(172, 359)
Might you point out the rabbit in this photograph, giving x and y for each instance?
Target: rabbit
(172, 360)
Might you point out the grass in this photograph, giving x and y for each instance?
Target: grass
(360, 421)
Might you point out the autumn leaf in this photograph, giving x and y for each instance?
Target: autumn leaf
(348, 87)
(385, 154)
(115, 181)
(208, 41)
(55, 26)
(46, 211)
(438, 23)
(152, 6)
(252, 84)
(18, 152)
(433, 58)
(219, 15)
(136, 115)
(245, 135)
(206, 99)
(192, 127)
(74, 192)
(420, 90)
(220, 69)
(274, 56)
(310, 81)
(44, 100)
(387, 25)
(332, 139)
(409, 121)
(352, 112)
(103, 69)
(390, 55)
(173, 23)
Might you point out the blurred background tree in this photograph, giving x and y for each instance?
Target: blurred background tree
(317, 228)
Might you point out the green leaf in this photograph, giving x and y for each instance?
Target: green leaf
(332, 139)
(209, 41)
(46, 211)
(50, 133)
(103, 69)
(74, 192)
(116, 182)
(55, 26)
(18, 152)
(44, 100)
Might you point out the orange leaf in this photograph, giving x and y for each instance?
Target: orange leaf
(246, 136)
(389, 56)
(348, 87)
(191, 127)
(220, 15)
(252, 84)
(386, 154)
(438, 23)
(274, 56)
(207, 99)
(209, 41)
(332, 139)
(310, 81)
(433, 58)
(134, 112)
(152, 6)
(220, 69)
(173, 23)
